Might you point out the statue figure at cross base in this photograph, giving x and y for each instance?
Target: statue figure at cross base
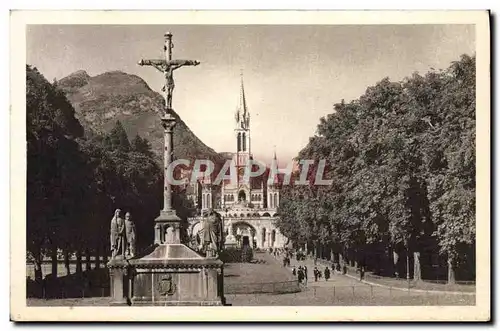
(211, 234)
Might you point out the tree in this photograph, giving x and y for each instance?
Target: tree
(51, 132)
(403, 174)
(141, 145)
(117, 139)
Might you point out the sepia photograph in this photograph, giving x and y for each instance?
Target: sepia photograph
(284, 163)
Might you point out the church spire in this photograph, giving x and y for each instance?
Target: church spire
(242, 106)
(242, 115)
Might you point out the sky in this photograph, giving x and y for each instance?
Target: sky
(292, 74)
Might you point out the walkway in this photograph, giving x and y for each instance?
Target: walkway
(336, 279)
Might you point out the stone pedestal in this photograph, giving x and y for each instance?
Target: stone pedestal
(167, 228)
(173, 274)
(119, 281)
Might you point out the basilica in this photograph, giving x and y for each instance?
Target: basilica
(248, 206)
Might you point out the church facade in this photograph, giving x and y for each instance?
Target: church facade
(248, 206)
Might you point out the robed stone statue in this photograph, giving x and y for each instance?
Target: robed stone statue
(117, 234)
(130, 235)
(211, 233)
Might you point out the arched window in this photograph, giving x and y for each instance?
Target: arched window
(239, 142)
(275, 201)
(243, 142)
(242, 196)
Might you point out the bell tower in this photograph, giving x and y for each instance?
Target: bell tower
(242, 134)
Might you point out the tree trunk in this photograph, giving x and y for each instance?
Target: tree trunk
(451, 271)
(417, 271)
(78, 261)
(66, 262)
(87, 260)
(53, 257)
(97, 260)
(395, 260)
(38, 267)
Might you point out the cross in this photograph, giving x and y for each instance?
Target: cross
(167, 67)
(167, 223)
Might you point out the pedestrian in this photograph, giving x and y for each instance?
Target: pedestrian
(327, 274)
(300, 275)
(316, 274)
(305, 273)
(294, 272)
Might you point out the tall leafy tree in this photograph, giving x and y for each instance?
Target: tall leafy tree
(52, 155)
(403, 174)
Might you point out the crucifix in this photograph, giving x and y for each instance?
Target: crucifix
(167, 67)
(168, 223)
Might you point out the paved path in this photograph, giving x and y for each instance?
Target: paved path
(336, 279)
(264, 269)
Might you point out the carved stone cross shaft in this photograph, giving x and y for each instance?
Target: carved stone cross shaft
(167, 67)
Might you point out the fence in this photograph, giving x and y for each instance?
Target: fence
(95, 283)
(354, 271)
(357, 295)
(252, 288)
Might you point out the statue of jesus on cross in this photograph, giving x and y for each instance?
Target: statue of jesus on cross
(167, 67)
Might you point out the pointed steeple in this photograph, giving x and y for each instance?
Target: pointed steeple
(274, 169)
(242, 106)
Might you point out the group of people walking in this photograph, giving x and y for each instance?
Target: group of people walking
(301, 273)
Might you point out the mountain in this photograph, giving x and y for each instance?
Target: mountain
(101, 100)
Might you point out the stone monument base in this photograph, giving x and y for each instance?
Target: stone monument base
(175, 275)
